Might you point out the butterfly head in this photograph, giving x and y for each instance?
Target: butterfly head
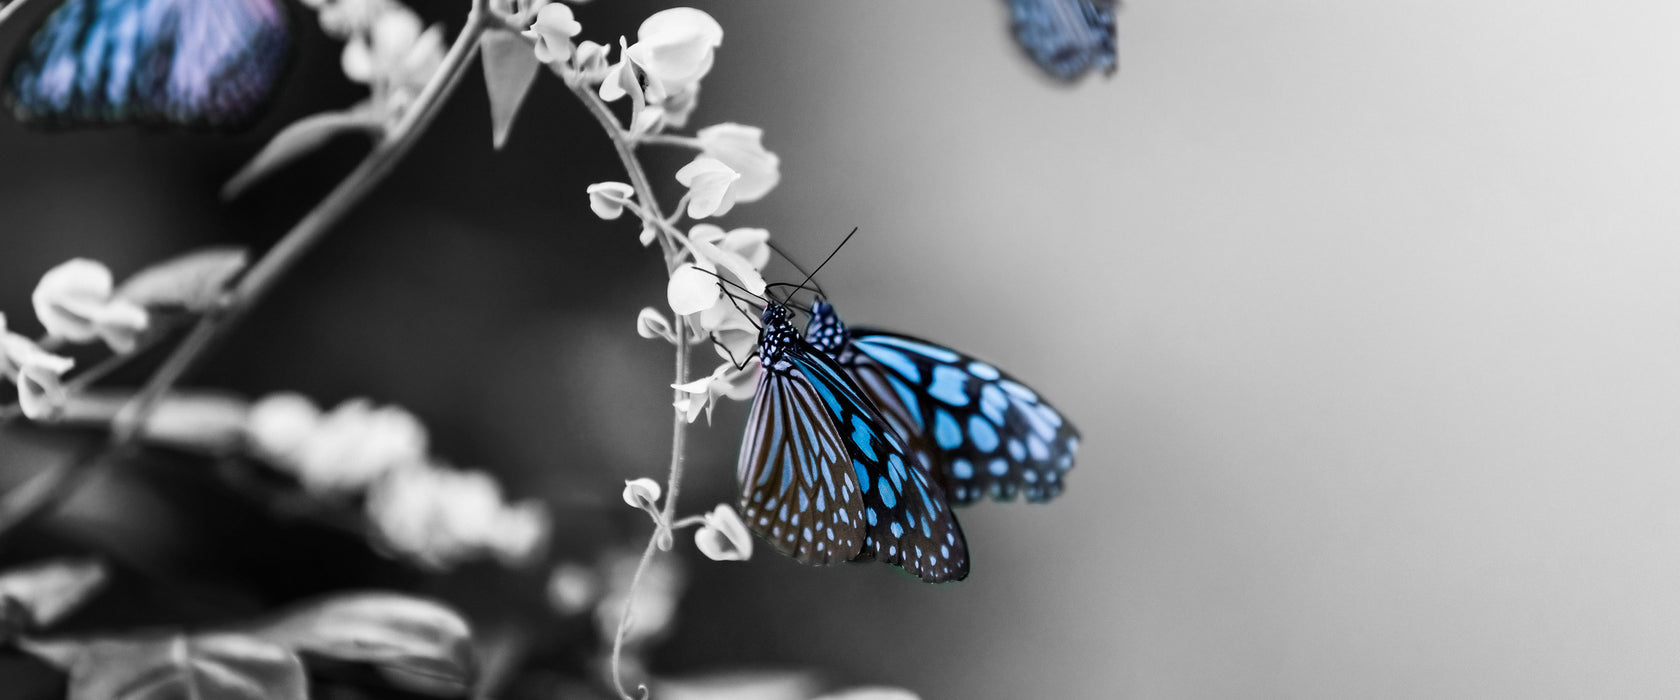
(826, 331)
(777, 335)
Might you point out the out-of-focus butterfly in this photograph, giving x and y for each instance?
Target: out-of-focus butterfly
(1067, 37)
(188, 62)
(825, 480)
(975, 426)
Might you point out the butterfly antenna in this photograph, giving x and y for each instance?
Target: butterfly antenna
(825, 261)
(736, 302)
(724, 280)
(796, 266)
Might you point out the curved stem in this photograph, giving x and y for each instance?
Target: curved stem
(672, 243)
(48, 488)
(7, 11)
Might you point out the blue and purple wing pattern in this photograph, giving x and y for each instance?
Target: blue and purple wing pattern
(1066, 38)
(989, 434)
(189, 62)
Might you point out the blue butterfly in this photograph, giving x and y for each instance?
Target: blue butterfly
(824, 480)
(975, 426)
(1067, 37)
(188, 62)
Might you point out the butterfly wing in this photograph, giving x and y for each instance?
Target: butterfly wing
(987, 433)
(189, 62)
(797, 486)
(908, 521)
(1067, 37)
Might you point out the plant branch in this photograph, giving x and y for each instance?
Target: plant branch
(670, 241)
(49, 487)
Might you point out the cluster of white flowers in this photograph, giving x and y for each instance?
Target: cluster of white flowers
(661, 74)
(387, 48)
(430, 513)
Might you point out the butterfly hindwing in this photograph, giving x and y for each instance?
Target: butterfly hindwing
(908, 520)
(991, 433)
(189, 62)
(817, 456)
(1067, 37)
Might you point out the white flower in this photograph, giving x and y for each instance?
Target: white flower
(279, 425)
(708, 181)
(355, 445)
(590, 60)
(723, 537)
(651, 324)
(733, 331)
(742, 251)
(36, 372)
(607, 199)
(726, 380)
(642, 493)
(740, 147)
(441, 517)
(676, 47)
(692, 289)
(520, 533)
(621, 80)
(394, 57)
(553, 31)
(74, 302)
(572, 588)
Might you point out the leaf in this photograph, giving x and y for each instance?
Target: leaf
(50, 589)
(299, 139)
(203, 421)
(417, 644)
(510, 67)
(195, 281)
(177, 666)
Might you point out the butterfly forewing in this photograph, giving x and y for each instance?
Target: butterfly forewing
(192, 62)
(987, 433)
(797, 486)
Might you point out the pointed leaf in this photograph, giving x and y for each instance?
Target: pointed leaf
(510, 67)
(416, 644)
(194, 281)
(207, 667)
(303, 136)
(48, 590)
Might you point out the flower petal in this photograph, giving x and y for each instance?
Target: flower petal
(691, 290)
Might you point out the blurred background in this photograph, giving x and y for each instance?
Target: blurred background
(1369, 313)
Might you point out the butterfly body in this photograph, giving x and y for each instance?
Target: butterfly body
(1066, 38)
(981, 431)
(188, 62)
(824, 480)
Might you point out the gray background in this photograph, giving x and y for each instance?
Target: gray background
(1368, 310)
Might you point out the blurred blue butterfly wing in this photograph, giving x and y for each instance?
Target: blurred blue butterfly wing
(808, 424)
(979, 428)
(189, 62)
(1067, 37)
